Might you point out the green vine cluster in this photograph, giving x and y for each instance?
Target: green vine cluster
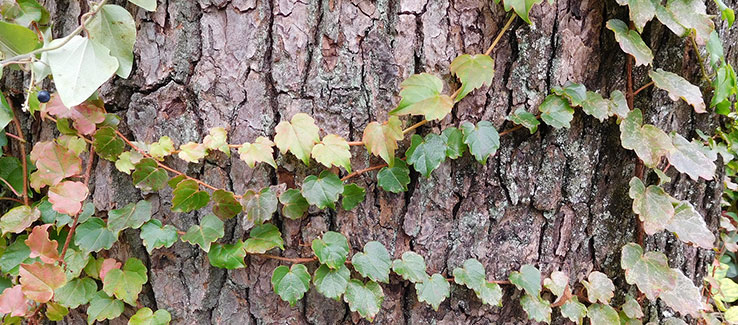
(49, 244)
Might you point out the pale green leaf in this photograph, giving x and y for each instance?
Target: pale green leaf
(421, 95)
(528, 279)
(263, 238)
(537, 308)
(154, 235)
(374, 262)
(76, 292)
(259, 206)
(425, 155)
(114, 28)
(130, 216)
(678, 87)
(653, 206)
(332, 249)
(574, 310)
(649, 271)
(149, 5)
(641, 11)
(689, 157)
(331, 282)
(630, 41)
(411, 267)
(599, 287)
(649, 142)
(103, 307)
(483, 140)
(145, 316)
(381, 139)
(294, 204)
(209, 230)
(433, 291)
(690, 227)
(126, 283)
(93, 235)
(556, 112)
(333, 151)
(260, 151)
(526, 119)
(366, 299)
(474, 71)
(291, 283)
(603, 314)
(322, 191)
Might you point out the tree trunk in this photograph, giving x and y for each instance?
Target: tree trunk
(556, 199)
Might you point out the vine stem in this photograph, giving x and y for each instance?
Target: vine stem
(10, 187)
(499, 35)
(11, 199)
(289, 260)
(15, 137)
(86, 181)
(643, 88)
(22, 144)
(699, 57)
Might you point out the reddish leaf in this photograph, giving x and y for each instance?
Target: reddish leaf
(40, 245)
(66, 197)
(84, 115)
(39, 280)
(107, 265)
(13, 301)
(53, 163)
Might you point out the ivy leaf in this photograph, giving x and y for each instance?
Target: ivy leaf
(162, 148)
(630, 41)
(148, 5)
(483, 140)
(11, 170)
(259, 206)
(114, 28)
(14, 255)
(13, 302)
(352, 195)
(148, 176)
(603, 314)
(726, 13)
(537, 308)
(40, 245)
(381, 139)
(618, 104)
(127, 161)
(260, 151)
(188, 197)
(263, 238)
(53, 163)
(689, 157)
(107, 144)
(649, 142)
(632, 308)
(474, 71)
(332, 249)
(454, 140)
(652, 205)
(650, 271)
(39, 280)
(576, 93)
(85, 115)
(331, 282)
(217, 139)
(724, 85)
(79, 68)
(145, 316)
(690, 227)
(556, 112)
(93, 235)
(490, 294)
(322, 191)
(599, 287)
(426, 154)
(67, 196)
(75, 261)
(154, 235)
(596, 106)
(692, 14)
(225, 205)
(294, 204)
(421, 95)
(557, 283)
(685, 297)
(192, 152)
(73, 143)
(291, 283)
(18, 219)
(297, 136)
(394, 179)
(471, 275)
(411, 267)
(374, 262)
(528, 279)
(521, 7)
(333, 151)
(209, 230)
(433, 291)
(130, 216)
(641, 11)
(227, 256)
(678, 87)
(526, 119)
(574, 310)
(107, 265)
(126, 283)
(366, 299)
(76, 292)
(103, 307)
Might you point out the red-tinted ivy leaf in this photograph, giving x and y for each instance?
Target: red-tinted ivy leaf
(649, 271)
(107, 144)
(107, 265)
(381, 139)
(652, 204)
(40, 245)
(66, 197)
(148, 176)
(53, 163)
(225, 205)
(84, 115)
(13, 302)
(39, 280)
(126, 283)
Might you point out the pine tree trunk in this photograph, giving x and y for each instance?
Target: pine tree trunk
(556, 199)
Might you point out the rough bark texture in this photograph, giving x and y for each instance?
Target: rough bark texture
(557, 199)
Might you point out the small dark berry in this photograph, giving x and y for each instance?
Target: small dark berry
(43, 96)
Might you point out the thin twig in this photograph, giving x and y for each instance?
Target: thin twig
(15, 137)
(10, 199)
(361, 171)
(287, 259)
(10, 187)
(642, 88)
(499, 35)
(705, 75)
(22, 144)
(86, 181)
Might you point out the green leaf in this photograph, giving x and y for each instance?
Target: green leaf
(714, 49)
(11, 171)
(332, 249)
(366, 299)
(155, 236)
(474, 71)
(333, 151)
(209, 230)
(557, 283)
(322, 191)
(521, 7)
(103, 307)
(126, 283)
(652, 205)
(129, 216)
(352, 195)
(107, 144)
(576, 93)
(574, 310)
(528, 279)
(188, 197)
(148, 176)
(725, 85)
(394, 179)
(162, 148)
(291, 283)
(297, 136)
(14, 255)
(692, 14)
(678, 87)
(263, 238)
(259, 206)
(490, 294)
(596, 106)
(76, 260)
(526, 119)
(690, 227)
(641, 11)
(294, 204)
(603, 314)
(114, 28)
(93, 235)
(725, 12)
(227, 256)
(426, 154)
(433, 291)
(381, 139)
(471, 275)
(630, 41)
(411, 267)
(374, 262)
(76, 292)
(632, 308)
(18, 219)
(685, 297)
(225, 205)
(649, 142)
(556, 112)
(56, 312)
(537, 308)
(421, 95)
(650, 271)
(16, 39)
(689, 157)
(149, 5)
(599, 287)
(454, 140)
(331, 282)
(79, 68)
(483, 140)
(618, 104)
(145, 316)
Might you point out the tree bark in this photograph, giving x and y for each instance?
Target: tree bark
(556, 199)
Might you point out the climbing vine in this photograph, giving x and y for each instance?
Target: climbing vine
(52, 233)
